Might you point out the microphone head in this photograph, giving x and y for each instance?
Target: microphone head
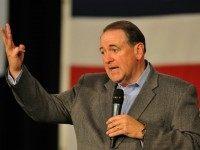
(118, 96)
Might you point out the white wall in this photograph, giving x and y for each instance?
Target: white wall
(171, 39)
(67, 139)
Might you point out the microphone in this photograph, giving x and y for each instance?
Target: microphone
(118, 98)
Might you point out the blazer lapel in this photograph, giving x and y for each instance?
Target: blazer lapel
(145, 96)
(110, 87)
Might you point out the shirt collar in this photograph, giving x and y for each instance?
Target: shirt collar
(143, 76)
(140, 82)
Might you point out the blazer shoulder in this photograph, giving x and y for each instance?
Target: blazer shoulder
(173, 82)
(94, 79)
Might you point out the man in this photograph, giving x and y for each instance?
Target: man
(158, 112)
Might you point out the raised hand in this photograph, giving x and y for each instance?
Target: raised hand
(15, 54)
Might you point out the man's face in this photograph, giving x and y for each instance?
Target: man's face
(118, 56)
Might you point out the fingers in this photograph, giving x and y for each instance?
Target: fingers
(19, 50)
(116, 130)
(3, 34)
(115, 126)
(8, 31)
(7, 37)
(15, 54)
(113, 121)
(114, 118)
(112, 124)
(11, 49)
(124, 124)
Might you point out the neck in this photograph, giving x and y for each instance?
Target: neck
(139, 69)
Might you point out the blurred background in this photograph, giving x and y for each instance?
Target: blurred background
(62, 42)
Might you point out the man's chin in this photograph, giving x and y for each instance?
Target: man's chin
(119, 81)
(116, 80)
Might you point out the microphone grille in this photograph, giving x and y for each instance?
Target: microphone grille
(118, 96)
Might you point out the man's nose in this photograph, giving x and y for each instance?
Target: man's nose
(108, 58)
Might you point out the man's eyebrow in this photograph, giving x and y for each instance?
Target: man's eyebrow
(112, 45)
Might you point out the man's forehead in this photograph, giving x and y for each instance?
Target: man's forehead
(113, 37)
(113, 32)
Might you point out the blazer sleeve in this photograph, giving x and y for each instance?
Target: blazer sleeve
(39, 104)
(185, 126)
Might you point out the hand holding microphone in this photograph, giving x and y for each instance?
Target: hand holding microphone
(118, 98)
(122, 124)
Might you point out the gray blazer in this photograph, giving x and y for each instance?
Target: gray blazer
(166, 104)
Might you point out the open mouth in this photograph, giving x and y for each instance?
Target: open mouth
(113, 68)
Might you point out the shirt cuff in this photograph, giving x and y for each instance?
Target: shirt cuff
(13, 81)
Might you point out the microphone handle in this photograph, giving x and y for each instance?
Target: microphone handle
(116, 109)
(112, 142)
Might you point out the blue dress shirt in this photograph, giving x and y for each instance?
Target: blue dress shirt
(131, 91)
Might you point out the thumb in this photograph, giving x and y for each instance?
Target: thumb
(22, 48)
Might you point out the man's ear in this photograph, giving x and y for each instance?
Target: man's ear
(139, 50)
